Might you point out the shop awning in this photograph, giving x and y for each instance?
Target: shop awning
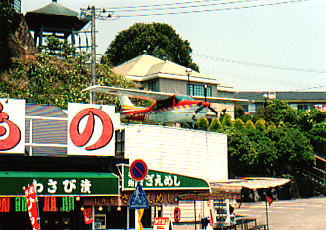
(251, 182)
(158, 180)
(231, 189)
(59, 183)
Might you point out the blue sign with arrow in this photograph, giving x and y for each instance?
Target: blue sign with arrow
(138, 199)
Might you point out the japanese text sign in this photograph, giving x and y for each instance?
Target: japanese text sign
(88, 215)
(30, 193)
(161, 223)
(91, 129)
(60, 183)
(163, 180)
(12, 126)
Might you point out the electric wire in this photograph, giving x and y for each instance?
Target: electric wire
(182, 6)
(213, 10)
(248, 63)
(165, 4)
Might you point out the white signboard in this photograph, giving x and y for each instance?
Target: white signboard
(91, 129)
(12, 126)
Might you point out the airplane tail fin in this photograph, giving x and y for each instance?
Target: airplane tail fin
(126, 104)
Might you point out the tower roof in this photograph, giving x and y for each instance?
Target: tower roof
(55, 17)
(55, 8)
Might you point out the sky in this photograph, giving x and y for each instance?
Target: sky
(250, 45)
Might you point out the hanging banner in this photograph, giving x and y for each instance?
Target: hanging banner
(88, 215)
(5, 204)
(32, 208)
(50, 204)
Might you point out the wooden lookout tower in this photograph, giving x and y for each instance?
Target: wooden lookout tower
(54, 19)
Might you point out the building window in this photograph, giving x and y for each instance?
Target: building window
(199, 90)
(16, 4)
(153, 85)
(303, 107)
(120, 143)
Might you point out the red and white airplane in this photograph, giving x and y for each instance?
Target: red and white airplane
(167, 107)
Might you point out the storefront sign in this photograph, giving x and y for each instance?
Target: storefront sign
(157, 180)
(30, 193)
(12, 126)
(60, 183)
(91, 129)
(88, 215)
(177, 214)
(161, 223)
(155, 198)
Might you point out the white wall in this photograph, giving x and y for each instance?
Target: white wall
(188, 152)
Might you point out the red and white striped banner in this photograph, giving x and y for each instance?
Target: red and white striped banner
(32, 208)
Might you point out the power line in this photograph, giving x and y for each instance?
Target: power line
(214, 10)
(248, 63)
(314, 87)
(182, 5)
(165, 4)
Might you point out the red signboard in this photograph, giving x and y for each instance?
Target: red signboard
(12, 134)
(88, 215)
(177, 214)
(5, 204)
(161, 223)
(32, 208)
(81, 139)
(50, 204)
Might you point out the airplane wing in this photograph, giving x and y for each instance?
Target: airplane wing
(136, 93)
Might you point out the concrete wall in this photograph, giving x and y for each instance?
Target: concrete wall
(188, 152)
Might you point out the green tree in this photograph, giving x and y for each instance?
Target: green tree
(293, 149)
(238, 111)
(157, 39)
(63, 47)
(202, 123)
(239, 124)
(249, 125)
(226, 120)
(46, 79)
(242, 158)
(7, 26)
(260, 124)
(215, 125)
(278, 113)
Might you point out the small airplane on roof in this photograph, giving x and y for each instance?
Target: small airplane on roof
(167, 107)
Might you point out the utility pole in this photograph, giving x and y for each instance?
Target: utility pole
(93, 95)
(93, 14)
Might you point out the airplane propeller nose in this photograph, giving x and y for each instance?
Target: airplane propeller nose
(206, 104)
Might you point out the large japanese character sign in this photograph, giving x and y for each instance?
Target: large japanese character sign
(30, 193)
(12, 126)
(91, 129)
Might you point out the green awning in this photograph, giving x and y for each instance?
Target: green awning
(158, 180)
(59, 183)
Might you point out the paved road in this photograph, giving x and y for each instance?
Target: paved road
(300, 214)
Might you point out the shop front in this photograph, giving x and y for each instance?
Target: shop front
(162, 190)
(60, 197)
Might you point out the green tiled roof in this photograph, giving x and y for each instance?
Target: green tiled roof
(55, 8)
